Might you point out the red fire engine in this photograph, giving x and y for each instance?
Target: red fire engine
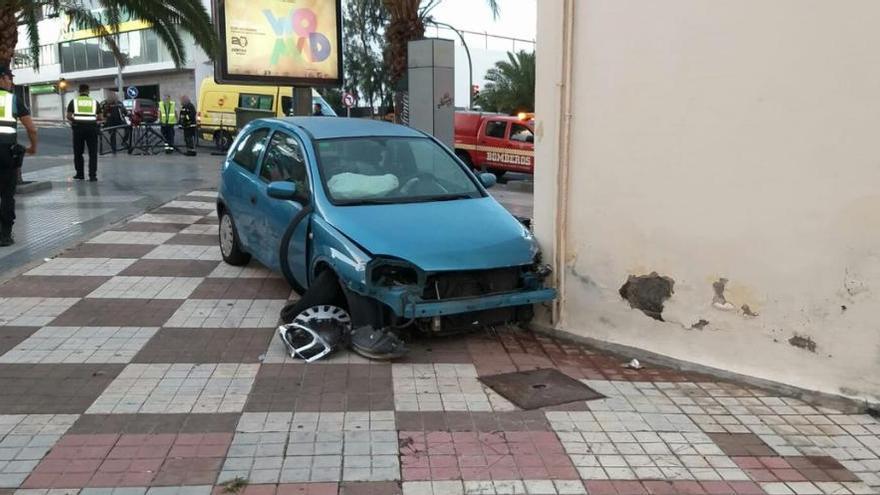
(495, 143)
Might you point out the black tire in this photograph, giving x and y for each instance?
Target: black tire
(325, 290)
(222, 140)
(233, 254)
(499, 174)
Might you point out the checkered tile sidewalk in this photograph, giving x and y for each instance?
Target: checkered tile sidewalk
(137, 363)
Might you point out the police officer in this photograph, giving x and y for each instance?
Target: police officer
(188, 122)
(84, 112)
(11, 153)
(168, 119)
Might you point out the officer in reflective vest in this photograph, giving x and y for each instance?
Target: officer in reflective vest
(84, 113)
(168, 119)
(12, 108)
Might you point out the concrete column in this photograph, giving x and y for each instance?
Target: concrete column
(432, 88)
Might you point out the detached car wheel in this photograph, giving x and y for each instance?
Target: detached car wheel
(230, 246)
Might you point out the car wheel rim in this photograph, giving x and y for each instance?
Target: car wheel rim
(226, 235)
(323, 312)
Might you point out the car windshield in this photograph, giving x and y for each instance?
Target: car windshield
(385, 170)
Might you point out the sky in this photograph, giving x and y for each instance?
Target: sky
(517, 19)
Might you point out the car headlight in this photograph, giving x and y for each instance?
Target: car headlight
(388, 273)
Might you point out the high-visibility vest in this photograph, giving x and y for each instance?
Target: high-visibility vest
(7, 117)
(85, 110)
(167, 113)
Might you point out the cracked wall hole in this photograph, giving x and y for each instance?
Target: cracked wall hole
(647, 293)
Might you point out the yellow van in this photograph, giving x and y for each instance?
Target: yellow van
(217, 104)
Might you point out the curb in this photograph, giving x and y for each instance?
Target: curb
(31, 186)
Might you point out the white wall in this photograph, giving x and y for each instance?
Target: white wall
(735, 139)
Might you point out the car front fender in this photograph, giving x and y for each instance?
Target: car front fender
(331, 248)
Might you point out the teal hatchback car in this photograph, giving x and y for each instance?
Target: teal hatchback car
(375, 224)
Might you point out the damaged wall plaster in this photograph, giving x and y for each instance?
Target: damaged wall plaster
(803, 342)
(648, 293)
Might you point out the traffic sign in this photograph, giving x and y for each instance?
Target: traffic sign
(348, 100)
(132, 92)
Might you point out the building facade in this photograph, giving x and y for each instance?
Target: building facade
(75, 55)
(722, 158)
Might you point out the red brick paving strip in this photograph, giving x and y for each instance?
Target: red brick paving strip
(12, 336)
(194, 239)
(51, 286)
(290, 489)
(472, 421)
(326, 387)
(53, 388)
(242, 288)
(90, 250)
(170, 268)
(118, 312)
(483, 456)
(168, 228)
(154, 423)
(109, 460)
(206, 345)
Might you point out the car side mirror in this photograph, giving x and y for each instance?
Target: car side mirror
(281, 190)
(488, 180)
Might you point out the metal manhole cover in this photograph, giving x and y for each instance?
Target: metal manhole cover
(539, 388)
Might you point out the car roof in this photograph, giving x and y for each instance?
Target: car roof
(339, 127)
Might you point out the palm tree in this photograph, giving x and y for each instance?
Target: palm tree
(168, 19)
(406, 22)
(511, 86)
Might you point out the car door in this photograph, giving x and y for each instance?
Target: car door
(284, 160)
(493, 141)
(242, 186)
(522, 145)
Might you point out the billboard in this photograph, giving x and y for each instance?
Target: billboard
(279, 42)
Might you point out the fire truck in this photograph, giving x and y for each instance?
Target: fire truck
(495, 143)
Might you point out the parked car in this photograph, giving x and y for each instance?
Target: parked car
(141, 110)
(495, 143)
(408, 234)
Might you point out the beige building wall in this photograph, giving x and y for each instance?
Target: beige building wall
(734, 139)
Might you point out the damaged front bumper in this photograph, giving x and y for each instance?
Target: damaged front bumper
(426, 309)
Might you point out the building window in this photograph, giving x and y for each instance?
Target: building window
(141, 47)
(22, 57)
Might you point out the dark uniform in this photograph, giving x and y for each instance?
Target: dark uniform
(12, 107)
(114, 116)
(188, 122)
(85, 110)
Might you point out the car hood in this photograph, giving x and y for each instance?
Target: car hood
(467, 234)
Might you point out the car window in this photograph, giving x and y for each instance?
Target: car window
(249, 149)
(391, 170)
(496, 129)
(258, 102)
(286, 105)
(521, 133)
(284, 161)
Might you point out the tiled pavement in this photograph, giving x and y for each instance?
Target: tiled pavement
(138, 363)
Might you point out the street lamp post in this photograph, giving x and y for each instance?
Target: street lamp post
(470, 62)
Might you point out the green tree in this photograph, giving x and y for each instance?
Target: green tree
(406, 22)
(511, 84)
(168, 18)
(365, 70)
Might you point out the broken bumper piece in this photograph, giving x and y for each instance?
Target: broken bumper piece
(419, 308)
(304, 343)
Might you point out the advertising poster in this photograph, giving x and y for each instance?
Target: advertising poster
(280, 42)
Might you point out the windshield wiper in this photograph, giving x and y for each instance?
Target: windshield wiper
(444, 197)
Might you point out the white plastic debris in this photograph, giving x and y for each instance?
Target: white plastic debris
(633, 365)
